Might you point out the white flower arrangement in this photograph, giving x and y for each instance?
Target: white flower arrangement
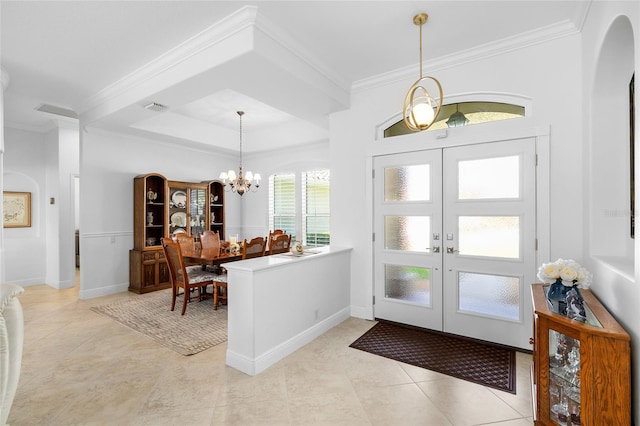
(570, 272)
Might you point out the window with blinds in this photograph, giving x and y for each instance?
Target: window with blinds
(311, 215)
(315, 207)
(282, 202)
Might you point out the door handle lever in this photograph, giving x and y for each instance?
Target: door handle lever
(436, 249)
(451, 250)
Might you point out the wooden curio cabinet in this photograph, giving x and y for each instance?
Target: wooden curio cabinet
(581, 369)
(216, 207)
(162, 208)
(147, 267)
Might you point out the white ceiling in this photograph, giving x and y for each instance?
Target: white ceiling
(288, 64)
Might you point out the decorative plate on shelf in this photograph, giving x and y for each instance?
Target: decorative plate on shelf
(179, 219)
(179, 199)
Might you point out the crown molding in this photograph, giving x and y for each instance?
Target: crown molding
(530, 38)
(582, 13)
(37, 128)
(242, 19)
(157, 139)
(216, 33)
(300, 52)
(64, 123)
(46, 127)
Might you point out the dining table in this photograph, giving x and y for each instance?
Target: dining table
(210, 257)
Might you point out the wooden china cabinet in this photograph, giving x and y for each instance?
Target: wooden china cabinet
(581, 369)
(162, 208)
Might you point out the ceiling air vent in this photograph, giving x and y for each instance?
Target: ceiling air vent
(154, 106)
(52, 109)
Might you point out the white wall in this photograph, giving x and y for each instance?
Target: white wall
(69, 166)
(53, 213)
(62, 164)
(611, 42)
(547, 73)
(43, 164)
(24, 171)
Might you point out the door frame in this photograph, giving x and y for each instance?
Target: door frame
(461, 136)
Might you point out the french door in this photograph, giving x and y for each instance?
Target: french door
(454, 239)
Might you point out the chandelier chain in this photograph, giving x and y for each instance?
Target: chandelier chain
(240, 113)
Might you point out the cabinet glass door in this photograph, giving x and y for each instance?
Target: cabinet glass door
(216, 208)
(197, 211)
(178, 210)
(564, 372)
(154, 211)
(564, 379)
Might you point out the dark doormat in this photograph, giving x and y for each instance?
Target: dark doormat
(465, 358)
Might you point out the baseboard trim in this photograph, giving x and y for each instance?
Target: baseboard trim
(260, 363)
(102, 291)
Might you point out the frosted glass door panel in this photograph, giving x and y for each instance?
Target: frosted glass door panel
(489, 178)
(408, 283)
(407, 183)
(489, 295)
(409, 233)
(490, 236)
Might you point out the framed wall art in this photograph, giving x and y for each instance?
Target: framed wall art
(16, 209)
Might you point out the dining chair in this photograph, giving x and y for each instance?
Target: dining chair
(254, 248)
(182, 277)
(210, 242)
(188, 246)
(273, 234)
(186, 241)
(280, 244)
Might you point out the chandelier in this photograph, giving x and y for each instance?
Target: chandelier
(241, 183)
(420, 109)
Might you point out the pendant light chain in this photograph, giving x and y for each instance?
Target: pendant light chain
(420, 50)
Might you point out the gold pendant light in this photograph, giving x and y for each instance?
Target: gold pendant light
(420, 108)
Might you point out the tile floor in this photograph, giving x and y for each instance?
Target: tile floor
(80, 368)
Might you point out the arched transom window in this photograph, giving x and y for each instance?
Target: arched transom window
(464, 114)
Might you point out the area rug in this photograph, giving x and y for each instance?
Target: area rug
(199, 329)
(468, 359)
